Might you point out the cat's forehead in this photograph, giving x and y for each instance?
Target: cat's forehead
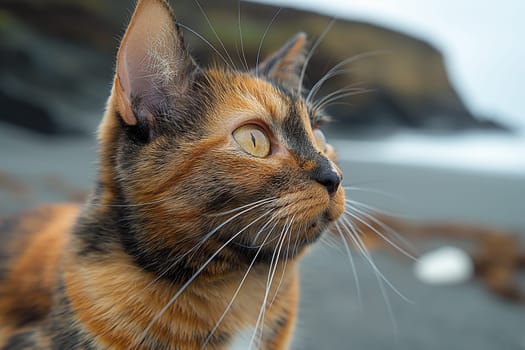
(247, 95)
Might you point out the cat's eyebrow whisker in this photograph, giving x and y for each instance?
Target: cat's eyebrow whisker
(336, 101)
(340, 103)
(245, 62)
(384, 237)
(317, 86)
(194, 276)
(311, 53)
(276, 14)
(207, 42)
(336, 71)
(241, 283)
(356, 86)
(337, 95)
(214, 32)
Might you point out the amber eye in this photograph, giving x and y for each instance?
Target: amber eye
(320, 139)
(252, 140)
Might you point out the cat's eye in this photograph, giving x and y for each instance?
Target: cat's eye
(253, 140)
(320, 139)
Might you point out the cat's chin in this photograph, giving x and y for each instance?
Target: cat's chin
(336, 207)
(317, 226)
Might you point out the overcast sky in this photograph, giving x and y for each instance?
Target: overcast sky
(483, 43)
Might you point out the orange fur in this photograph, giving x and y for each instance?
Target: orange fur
(31, 274)
(112, 305)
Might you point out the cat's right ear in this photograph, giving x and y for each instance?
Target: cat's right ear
(153, 63)
(285, 65)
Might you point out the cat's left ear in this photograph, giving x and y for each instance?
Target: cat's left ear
(285, 65)
(153, 64)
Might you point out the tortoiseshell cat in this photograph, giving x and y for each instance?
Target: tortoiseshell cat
(212, 183)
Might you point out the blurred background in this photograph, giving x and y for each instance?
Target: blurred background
(432, 130)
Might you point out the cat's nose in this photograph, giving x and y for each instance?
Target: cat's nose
(328, 177)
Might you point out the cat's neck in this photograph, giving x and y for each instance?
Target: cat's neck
(112, 298)
(113, 293)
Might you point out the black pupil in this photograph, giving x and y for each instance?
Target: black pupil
(253, 139)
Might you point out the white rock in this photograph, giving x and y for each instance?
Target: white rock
(446, 265)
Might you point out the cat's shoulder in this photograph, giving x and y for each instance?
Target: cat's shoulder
(31, 246)
(48, 221)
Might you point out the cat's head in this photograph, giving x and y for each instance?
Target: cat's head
(214, 156)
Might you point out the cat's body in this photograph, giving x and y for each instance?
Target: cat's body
(212, 183)
(108, 296)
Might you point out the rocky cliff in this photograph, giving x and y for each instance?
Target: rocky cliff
(57, 57)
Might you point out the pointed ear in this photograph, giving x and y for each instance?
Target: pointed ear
(152, 62)
(284, 66)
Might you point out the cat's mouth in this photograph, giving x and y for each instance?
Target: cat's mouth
(319, 225)
(296, 224)
(336, 206)
(315, 230)
(316, 226)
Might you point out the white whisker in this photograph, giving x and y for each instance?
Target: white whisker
(375, 209)
(352, 264)
(260, 231)
(241, 283)
(246, 208)
(262, 40)
(245, 62)
(384, 226)
(334, 71)
(287, 233)
(327, 100)
(379, 276)
(311, 53)
(330, 242)
(207, 42)
(271, 272)
(241, 207)
(195, 275)
(385, 238)
(372, 190)
(214, 32)
(354, 236)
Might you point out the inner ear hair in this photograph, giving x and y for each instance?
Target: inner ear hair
(153, 64)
